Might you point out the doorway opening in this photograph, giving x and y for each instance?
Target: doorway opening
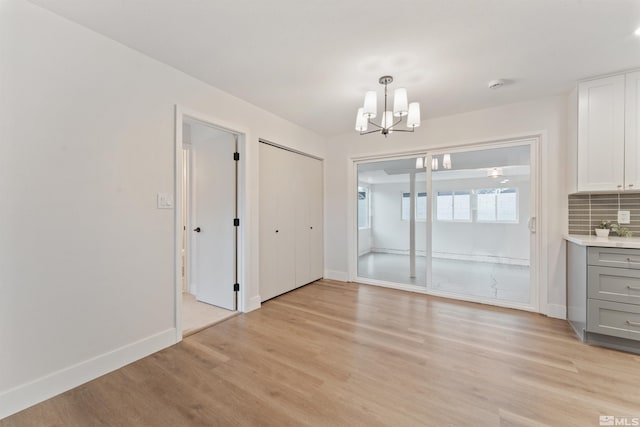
(208, 224)
(467, 231)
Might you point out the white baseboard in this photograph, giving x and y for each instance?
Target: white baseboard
(460, 257)
(253, 304)
(192, 288)
(26, 395)
(341, 276)
(482, 258)
(419, 252)
(557, 311)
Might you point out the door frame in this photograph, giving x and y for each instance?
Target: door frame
(538, 264)
(180, 114)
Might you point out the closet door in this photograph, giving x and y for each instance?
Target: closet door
(277, 242)
(316, 222)
(291, 229)
(309, 223)
(302, 180)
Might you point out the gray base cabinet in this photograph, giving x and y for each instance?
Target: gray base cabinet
(603, 295)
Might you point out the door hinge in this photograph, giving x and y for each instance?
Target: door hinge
(236, 287)
(236, 156)
(236, 222)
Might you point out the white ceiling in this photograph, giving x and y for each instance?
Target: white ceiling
(311, 61)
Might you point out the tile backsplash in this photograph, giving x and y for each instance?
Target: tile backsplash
(586, 211)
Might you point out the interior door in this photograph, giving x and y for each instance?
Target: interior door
(214, 205)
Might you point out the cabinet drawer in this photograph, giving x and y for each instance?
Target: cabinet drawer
(614, 257)
(614, 319)
(614, 284)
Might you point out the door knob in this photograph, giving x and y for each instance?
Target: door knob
(197, 229)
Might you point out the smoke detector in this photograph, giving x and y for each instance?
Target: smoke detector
(495, 84)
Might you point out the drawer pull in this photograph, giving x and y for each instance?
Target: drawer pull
(633, 288)
(633, 260)
(630, 323)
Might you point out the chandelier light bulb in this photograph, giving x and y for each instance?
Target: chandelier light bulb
(446, 161)
(370, 108)
(387, 120)
(495, 172)
(361, 121)
(413, 119)
(419, 163)
(400, 103)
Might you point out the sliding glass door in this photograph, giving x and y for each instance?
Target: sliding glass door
(392, 221)
(482, 223)
(457, 224)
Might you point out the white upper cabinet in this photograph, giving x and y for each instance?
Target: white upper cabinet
(632, 132)
(601, 134)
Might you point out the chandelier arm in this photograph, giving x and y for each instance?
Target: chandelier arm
(374, 124)
(371, 131)
(403, 130)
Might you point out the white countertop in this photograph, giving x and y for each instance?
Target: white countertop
(607, 242)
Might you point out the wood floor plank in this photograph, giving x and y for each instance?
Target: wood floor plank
(344, 354)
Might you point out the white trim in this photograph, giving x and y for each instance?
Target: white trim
(539, 265)
(482, 300)
(253, 304)
(557, 311)
(43, 388)
(393, 285)
(341, 276)
(442, 294)
(244, 301)
(392, 251)
(482, 258)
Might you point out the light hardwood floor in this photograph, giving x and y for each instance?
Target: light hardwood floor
(335, 354)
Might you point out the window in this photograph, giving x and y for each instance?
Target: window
(421, 206)
(363, 207)
(497, 205)
(453, 206)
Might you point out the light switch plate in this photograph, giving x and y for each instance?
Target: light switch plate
(165, 201)
(624, 217)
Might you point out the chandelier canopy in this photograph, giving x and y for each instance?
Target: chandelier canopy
(390, 119)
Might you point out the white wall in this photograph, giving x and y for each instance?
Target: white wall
(505, 242)
(364, 240)
(546, 115)
(389, 233)
(86, 259)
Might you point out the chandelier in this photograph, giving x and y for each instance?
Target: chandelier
(390, 119)
(421, 163)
